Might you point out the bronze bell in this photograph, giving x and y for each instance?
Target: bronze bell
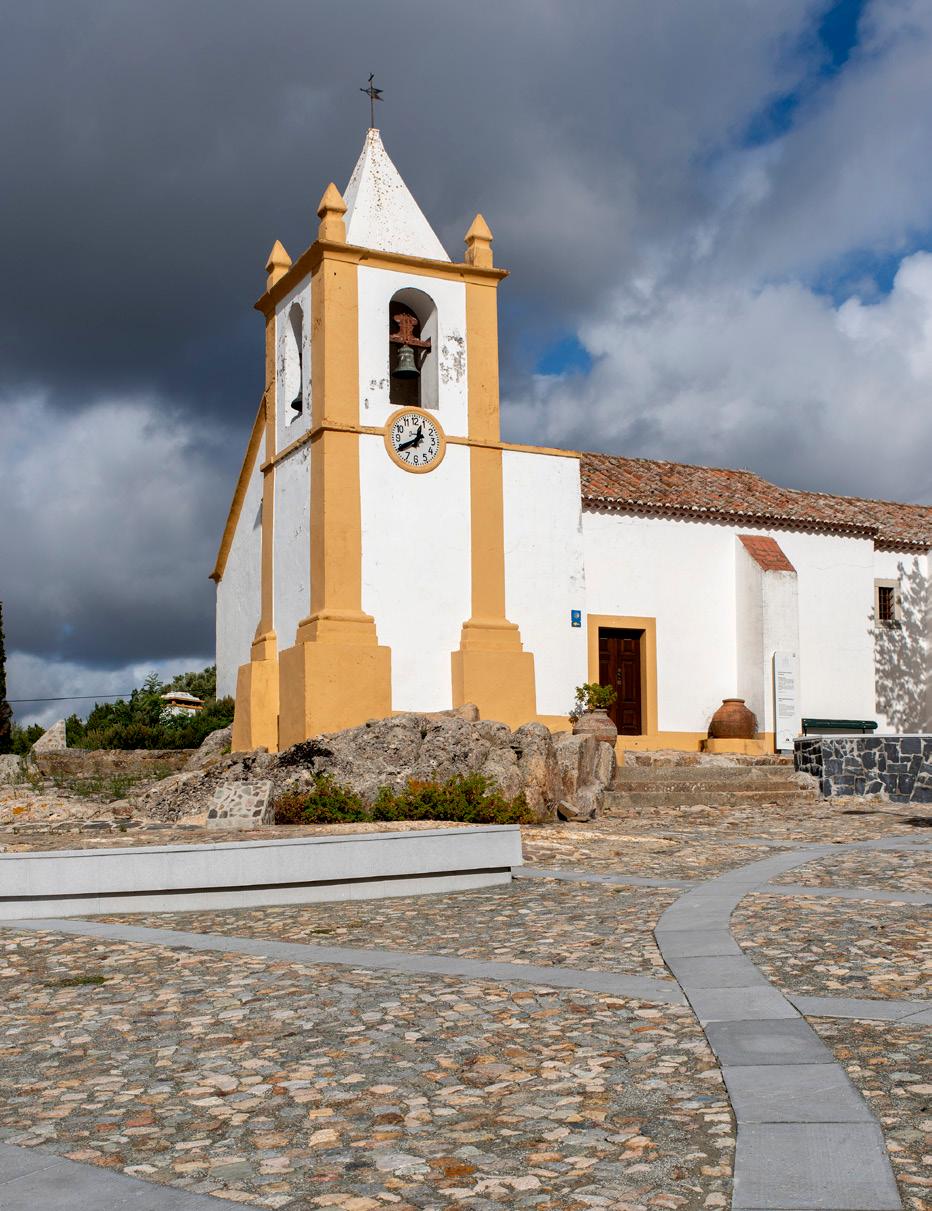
(406, 366)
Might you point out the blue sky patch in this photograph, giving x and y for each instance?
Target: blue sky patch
(565, 356)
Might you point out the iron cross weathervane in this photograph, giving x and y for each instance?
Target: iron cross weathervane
(374, 94)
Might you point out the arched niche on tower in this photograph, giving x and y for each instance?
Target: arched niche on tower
(423, 391)
(291, 377)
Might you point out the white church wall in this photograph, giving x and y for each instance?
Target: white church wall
(544, 574)
(681, 574)
(415, 568)
(238, 592)
(291, 371)
(903, 654)
(376, 288)
(836, 590)
(292, 570)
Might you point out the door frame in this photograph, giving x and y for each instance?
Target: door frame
(648, 629)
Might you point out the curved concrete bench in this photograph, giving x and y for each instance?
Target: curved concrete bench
(238, 874)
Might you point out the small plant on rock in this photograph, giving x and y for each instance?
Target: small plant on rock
(326, 803)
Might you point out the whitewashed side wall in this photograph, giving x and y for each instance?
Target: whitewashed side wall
(376, 289)
(903, 654)
(238, 593)
(288, 427)
(749, 632)
(836, 592)
(780, 633)
(292, 565)
(415, 568)
(683, 574)
(544, 575)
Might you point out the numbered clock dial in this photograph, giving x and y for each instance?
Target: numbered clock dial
(414, 440)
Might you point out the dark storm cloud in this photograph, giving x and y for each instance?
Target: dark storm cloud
(151, 153)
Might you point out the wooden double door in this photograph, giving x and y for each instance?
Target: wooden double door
(620, 667)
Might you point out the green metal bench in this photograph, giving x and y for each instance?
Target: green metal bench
(839, 727)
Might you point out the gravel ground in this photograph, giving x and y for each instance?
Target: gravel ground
(892, 1067)
(831, 947)
(541, 921)
(270, 1082)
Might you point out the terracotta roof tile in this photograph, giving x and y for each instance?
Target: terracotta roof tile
(649, 487)
(766, 553)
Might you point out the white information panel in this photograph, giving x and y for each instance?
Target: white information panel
(785, 695)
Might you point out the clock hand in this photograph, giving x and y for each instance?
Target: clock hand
(412, 441)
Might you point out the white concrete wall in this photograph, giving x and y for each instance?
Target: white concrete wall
(544, 574)
(238, 593)
(376, 289)
(286, 367)
(292, 565)
(415, 568)
(749, 632)
(683, 574)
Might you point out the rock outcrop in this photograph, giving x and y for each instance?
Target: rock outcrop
(391, 752)
(52, 740)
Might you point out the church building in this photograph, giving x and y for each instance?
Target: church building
(386, 551)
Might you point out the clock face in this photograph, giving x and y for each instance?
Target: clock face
(414, 440)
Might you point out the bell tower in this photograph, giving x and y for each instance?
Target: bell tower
(383, 590)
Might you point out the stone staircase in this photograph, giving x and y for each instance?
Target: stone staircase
(711, 782)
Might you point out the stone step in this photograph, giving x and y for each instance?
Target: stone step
(631, 800)
(705, 773)
(709, 788)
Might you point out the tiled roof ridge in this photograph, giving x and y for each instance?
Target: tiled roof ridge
(787, 508)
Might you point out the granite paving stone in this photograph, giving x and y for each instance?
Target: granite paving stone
(891, 1065)
(892, 872)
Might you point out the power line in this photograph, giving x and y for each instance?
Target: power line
(71, 697)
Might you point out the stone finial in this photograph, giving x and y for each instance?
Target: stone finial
(277, 265)
(479, 243)
(331, 210)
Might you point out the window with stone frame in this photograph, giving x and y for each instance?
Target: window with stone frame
(887, 603)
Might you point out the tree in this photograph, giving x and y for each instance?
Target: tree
(6, 715)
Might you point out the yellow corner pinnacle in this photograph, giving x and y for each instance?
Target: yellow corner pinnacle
(331, 210)
(277, 265)
(479, 243)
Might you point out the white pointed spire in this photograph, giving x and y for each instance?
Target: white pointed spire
(380, 211)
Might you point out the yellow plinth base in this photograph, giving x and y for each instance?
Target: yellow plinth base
(327, 686)
(492, 670)
(760, 746)
(255, 720)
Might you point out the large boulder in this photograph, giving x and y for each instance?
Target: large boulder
(587, 767)
(213, 747)
(391, 752)
(52, 740)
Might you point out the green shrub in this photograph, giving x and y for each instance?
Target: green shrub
(468, 800)
(327, 803)
(23, 738)
(590, 696)
(140, 720)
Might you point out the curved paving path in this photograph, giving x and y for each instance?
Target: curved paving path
(806, 1137)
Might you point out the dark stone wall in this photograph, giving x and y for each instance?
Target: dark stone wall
(897, 767)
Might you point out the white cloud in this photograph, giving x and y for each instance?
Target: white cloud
(776, 378)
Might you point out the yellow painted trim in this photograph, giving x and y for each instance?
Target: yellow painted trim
(648, 662)
(397, 459)
(335, 675)
(309, 262)
(762, 745)
(239, 495)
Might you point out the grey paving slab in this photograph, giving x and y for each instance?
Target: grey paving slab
(586, 876)
(684, 943)
(716, 971)
(707, 912)
(855, 1007)
(640, 987)
(845, 893)
(738, 1004)
(794, 1093)
(767, 1041)
(918, 1019)
(832, 1166)
(40, 1181)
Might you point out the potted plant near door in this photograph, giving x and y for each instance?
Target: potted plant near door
(589, 715)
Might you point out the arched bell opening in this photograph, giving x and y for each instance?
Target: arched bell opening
(294, 394)
(412, 338)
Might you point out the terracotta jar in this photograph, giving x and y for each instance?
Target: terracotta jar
(596, 723)
(733, 721)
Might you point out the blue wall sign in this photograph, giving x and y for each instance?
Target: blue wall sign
(576, 618)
